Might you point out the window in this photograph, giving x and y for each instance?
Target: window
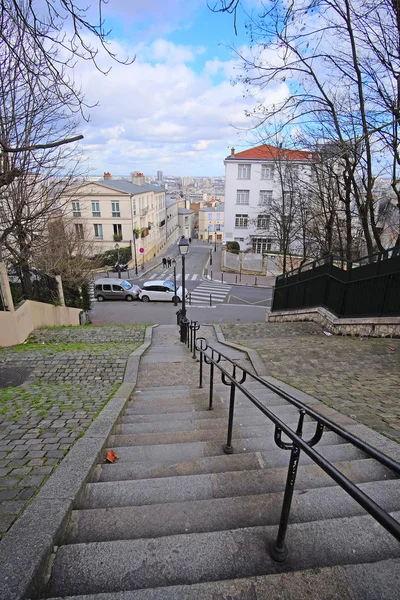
(107, 287)
(239, 239)
(241, 220)
(260, 244)
(76, 209)
(117, 288)
(263, 222)
(267, 171)
(242, 196)
(218, 216)
(98, 231)
(117, 228)
(210, 216)
(79, 230)
(96, 209)
(244, 171)
(115, 212)
(134, 207)
(218, 228)
(265, 197)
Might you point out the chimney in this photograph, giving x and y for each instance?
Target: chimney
(138, 178)
(107, 176)
(232, 151)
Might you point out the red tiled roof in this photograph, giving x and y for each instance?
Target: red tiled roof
(267, 152)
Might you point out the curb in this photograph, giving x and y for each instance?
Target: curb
(27, 548)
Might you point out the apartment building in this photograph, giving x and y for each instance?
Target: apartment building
(211, 223)
(113, 211)
(256, 181)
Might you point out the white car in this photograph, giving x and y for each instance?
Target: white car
(160, 290)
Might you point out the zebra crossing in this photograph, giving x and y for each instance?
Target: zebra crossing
(209, 293)
(168, 274)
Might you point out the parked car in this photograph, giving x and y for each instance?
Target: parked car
(162, 291)
(122, 267)
(115, 289)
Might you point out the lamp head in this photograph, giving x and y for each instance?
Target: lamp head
(183, 246)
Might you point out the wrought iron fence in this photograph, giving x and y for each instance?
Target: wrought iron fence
(27, 283)
(358, 289)
(72, 296)
(234, 376)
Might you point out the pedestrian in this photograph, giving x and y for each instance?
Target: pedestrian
(164, 262)
(190, 240)
(169, 262)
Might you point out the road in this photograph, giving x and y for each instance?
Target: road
(210, 302)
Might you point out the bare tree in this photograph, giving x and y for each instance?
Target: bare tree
(67, 250)
(342, 60)
(32, 114)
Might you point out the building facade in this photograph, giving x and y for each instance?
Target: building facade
(258, 183)
(114, 211)
(186, 222)
(211, 223)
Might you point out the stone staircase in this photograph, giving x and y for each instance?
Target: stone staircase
(175, 518)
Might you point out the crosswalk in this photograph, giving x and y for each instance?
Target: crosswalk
(209, 293)
(167, 274)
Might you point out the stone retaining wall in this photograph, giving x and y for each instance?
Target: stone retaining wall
(368, 327)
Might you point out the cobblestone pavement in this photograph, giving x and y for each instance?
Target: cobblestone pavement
(359, 377)
(72, 374)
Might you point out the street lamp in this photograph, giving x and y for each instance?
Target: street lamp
(183, 250)
(175, 296)
(135, 237)
(118, 265)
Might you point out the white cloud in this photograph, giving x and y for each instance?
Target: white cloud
(161, 111)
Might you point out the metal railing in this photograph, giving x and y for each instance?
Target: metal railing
(235, 379)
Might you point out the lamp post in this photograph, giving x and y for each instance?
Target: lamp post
(210, 257)
(135, 236)
(215, 240)
(175, 297)
(118, 265)
(183, 250)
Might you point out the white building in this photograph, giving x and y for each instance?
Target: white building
(254, 184)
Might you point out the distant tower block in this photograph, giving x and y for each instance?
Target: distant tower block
(159, 175)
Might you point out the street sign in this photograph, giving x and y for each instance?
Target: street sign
(141, 250)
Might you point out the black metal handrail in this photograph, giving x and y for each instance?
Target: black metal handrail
(278, 549)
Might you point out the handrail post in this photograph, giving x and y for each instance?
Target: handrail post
(228, 448)
(210, 398)
(201, 369)
(196, 327)
(191, 336)
(278, 549)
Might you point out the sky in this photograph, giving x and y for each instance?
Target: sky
(174, 108)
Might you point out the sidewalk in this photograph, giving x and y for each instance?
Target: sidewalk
(213, 272)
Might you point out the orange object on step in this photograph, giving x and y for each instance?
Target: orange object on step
(111, 456)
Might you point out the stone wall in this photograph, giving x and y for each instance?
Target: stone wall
(368, 327)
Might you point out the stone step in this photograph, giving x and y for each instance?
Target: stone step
(130, 426)
(196, 414)
(195, 558)
(205, 486)
(244, 438)
(120, 471)
(368, 581)
(218, 514)
(163, 454)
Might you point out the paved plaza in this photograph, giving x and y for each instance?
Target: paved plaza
(71, 374)
(359, 377)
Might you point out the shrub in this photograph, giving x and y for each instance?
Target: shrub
(233, 247)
